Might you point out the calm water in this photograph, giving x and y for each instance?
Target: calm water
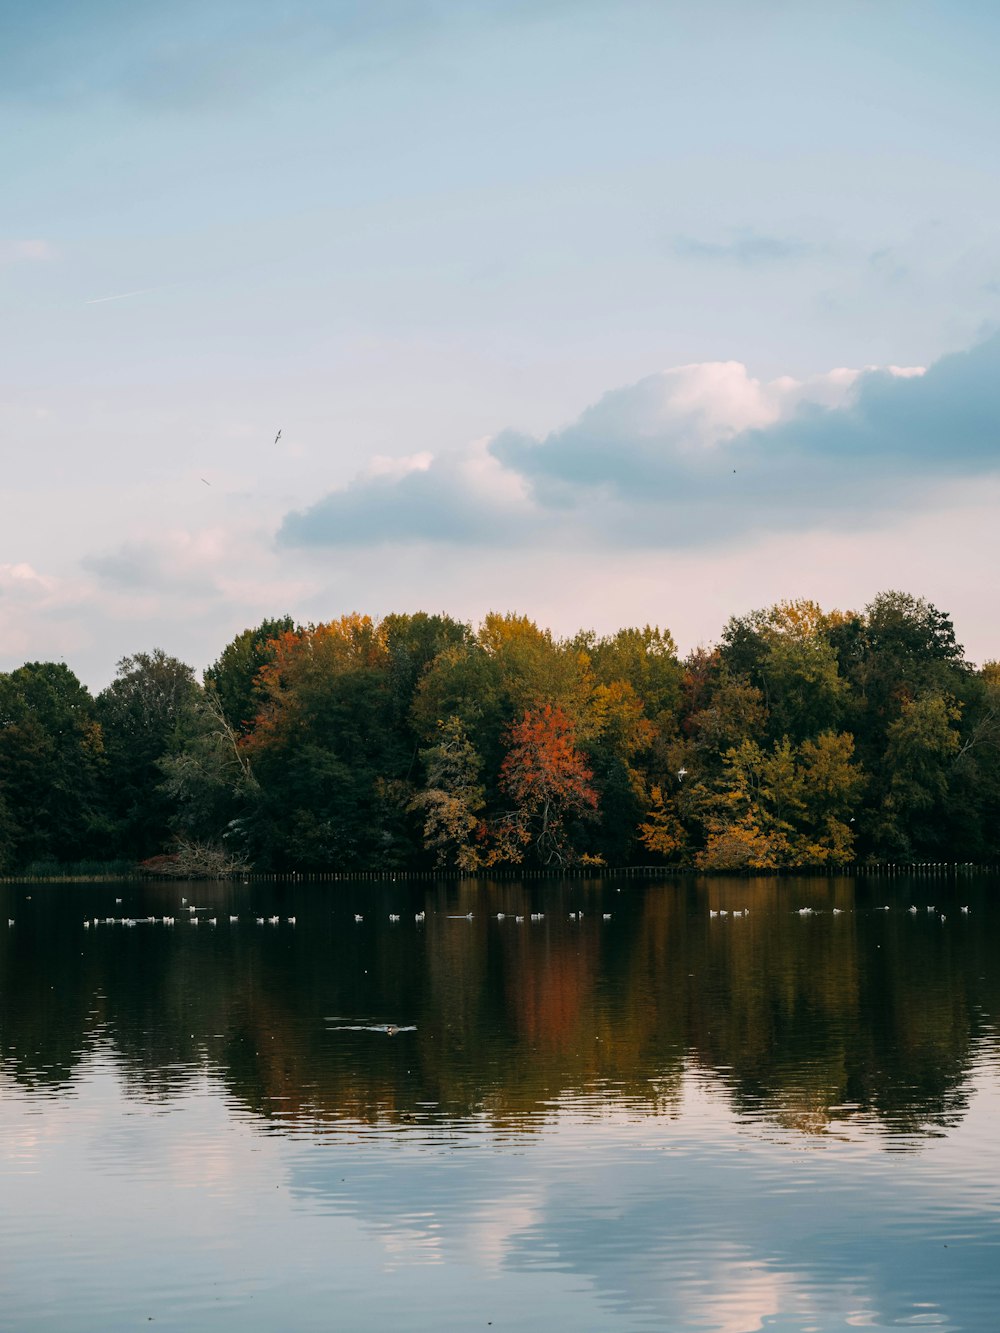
(665, 1120)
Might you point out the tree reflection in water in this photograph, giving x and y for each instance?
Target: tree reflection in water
(804, 1022)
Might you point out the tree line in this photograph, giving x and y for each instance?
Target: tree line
(804, 738)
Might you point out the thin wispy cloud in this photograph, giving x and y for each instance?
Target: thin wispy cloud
(119, 296)
(746, 246)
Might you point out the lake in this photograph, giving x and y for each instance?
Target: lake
(645, 1116)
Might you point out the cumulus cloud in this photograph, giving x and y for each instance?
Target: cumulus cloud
(699, 454)
(670, 433)
(464, 497)
(22, 579)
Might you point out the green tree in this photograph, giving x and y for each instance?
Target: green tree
(143, 715)
(922, 745)
(51, 765)
(786, 653)
(208, 779)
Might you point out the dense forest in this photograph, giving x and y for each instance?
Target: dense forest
(804, 738)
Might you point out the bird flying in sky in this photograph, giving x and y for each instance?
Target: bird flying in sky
(277, 437)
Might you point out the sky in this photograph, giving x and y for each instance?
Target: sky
(608, 313)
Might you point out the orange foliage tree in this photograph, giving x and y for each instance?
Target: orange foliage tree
(549, 782)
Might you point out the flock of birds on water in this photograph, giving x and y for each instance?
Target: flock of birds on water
(90, 923)
(418, 917)
(837, 911)
(234, 918)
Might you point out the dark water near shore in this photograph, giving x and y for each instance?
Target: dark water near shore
(665, 1120)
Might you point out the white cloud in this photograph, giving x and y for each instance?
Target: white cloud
(698, 455)
(22, 578)
(630, 512)
(384, 466)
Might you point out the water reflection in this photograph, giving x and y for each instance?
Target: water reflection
(808, 1023)
(647, 1116)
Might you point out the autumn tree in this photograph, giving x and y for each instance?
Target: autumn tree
(546, 778)
(617, 736)
(452, 800)
(644, 659)
(235, 675)
(490, 680)
(784, 807)
(662, 831)
(331, 765)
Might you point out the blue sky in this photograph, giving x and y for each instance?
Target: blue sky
(521, 285)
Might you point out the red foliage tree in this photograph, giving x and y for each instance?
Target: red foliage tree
(550, 784)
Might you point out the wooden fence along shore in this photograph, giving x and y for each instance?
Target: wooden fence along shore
(883, 870)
